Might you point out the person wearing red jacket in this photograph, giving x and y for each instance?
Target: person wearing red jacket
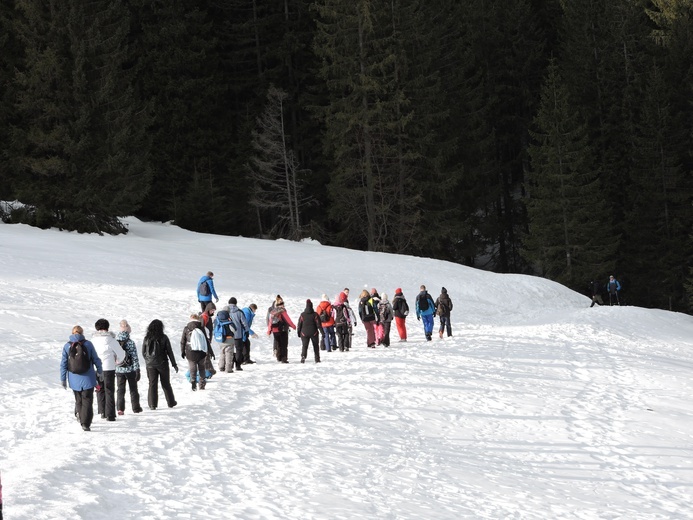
(277, 324)
(325, 312)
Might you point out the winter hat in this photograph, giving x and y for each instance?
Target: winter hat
(374, 290)
(309, 305)
(383, 297)
(125, 326)
(342, 297)
(398, 291)
(444, 290)
(324, 298)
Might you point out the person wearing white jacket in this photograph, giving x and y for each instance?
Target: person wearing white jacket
(111, 354)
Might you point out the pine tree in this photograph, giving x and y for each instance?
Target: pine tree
(10, 59)
(79, 143)
(567, 241)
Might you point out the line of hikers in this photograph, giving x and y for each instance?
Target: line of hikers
(96, 366)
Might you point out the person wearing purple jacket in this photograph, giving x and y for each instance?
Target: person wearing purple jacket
(81, 384)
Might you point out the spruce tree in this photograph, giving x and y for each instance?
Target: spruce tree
(79, 142)
(568, 240)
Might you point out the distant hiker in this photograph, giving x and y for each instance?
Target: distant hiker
(613, 288)
(443, 306)
(129, 371)
(278, 324)
(400, 309)
(385, 316)
(425, 309)
(596, 293)
(249, 313)
(157, 352)
(207, 318)
(205, 290)
(343, 317)
(79, 354)
(324, 312)
(367, 315)
(193, 347)
(377, 326)
(308, 329)
(111, 354)
(234, 356)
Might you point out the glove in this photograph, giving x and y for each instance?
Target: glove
(64, 384)
(213, 356)
(418, 318)
(138, 375)
(100, 377)
(176, 369)
(216, 300)
(97, 387)
(183, 354)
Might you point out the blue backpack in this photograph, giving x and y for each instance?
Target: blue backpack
(224, 329)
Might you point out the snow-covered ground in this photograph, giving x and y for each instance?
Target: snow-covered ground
(538, 407)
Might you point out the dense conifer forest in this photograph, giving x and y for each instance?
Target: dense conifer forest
(551, 137)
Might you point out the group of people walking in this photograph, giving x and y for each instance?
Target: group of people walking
(96, 365)
(613, 289)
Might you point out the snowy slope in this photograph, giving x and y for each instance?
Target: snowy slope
(538, 407)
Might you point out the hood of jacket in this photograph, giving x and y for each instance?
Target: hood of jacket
(123, 336)
(76, 337)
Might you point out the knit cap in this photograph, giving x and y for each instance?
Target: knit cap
(125, 326)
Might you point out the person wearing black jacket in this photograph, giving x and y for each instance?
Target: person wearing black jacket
(401, 310)
(596, 293)
(443, 306)
(308, 329)
(156, 352)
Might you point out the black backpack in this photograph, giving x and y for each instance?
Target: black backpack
(78, 360)
(340, 315)
(423, 303)
(127, 360)
(151, 349)
(204, 289)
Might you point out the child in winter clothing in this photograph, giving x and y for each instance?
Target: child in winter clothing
(157, 352)
(385, 315)
(401, 311)
(128, 373)
(368, 317)
(82, 385)
(343, 318)
(443, 306)
(377, 326)
(111, 354)
(425, 309)
(325, 315)
(207, 327)
(234, 354)
(196, 358)
(277, 324)
(308, 329)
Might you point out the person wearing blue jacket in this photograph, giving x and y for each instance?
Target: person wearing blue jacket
(82, 384)
(426, 311)
(249, 313)
(205, 290)
(613, 287)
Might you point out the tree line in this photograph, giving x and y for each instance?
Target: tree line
(551, 137)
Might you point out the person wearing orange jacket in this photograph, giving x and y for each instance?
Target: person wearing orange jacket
(325, 312)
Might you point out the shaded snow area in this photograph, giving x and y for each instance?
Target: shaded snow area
(538, 407)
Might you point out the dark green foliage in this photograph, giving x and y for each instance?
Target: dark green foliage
(406, 124)
(569, 234)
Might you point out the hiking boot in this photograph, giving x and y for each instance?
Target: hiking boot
(194, 386)
(222, 370)
(103, 415)
(86, 428)
(137, 410)
(152, 407)
(428, 337)
(111, 419)
(202, 386)
(303, 360)
(249, 362)
(174, 403)
(239, 369)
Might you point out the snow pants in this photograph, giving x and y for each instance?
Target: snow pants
(129, 378)
(401, 327)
